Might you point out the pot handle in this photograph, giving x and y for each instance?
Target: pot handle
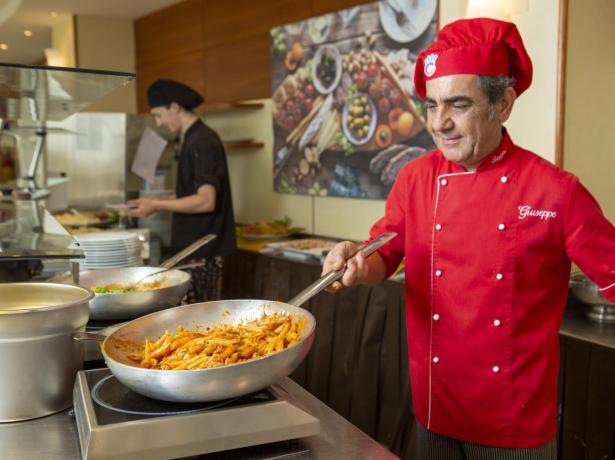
(79, 336)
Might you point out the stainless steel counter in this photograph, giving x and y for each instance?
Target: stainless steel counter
(577, 325)
(55, 437)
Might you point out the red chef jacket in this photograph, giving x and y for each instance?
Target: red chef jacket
(488, 257)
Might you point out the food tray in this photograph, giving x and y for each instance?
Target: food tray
(305, 248)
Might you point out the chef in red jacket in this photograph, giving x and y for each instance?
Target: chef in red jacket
(488, 231)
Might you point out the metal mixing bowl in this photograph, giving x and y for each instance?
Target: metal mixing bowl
(589, 293)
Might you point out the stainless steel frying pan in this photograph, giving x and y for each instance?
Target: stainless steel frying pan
(132, 304)
(204, 384)
(220, 382)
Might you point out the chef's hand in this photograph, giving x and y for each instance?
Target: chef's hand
(356, 269)
(145, 207)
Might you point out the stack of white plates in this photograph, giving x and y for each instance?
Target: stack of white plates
(110, 250)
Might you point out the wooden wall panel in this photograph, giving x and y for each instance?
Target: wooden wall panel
(186, 68)
(169, 32)
(169, 44)
(239, 70)
(247, 18)
(219, 47)
(326, 6)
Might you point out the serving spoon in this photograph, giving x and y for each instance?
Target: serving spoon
(172, 261)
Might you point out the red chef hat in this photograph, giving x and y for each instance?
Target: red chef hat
(475, 46)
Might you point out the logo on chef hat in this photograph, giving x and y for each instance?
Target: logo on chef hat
(430, 64)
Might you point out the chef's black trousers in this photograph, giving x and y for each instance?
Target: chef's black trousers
(433, 446)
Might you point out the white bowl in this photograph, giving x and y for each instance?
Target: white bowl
(417, 17)
(334, 52)
(372, 123)
(319, 28)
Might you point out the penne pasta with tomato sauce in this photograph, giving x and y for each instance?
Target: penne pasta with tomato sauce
(220, 345)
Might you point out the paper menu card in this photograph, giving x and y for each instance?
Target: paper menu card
(148, 153)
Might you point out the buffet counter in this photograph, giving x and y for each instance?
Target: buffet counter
(358, 364)
(55, 437)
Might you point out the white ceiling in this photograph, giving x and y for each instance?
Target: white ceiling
(35, 15)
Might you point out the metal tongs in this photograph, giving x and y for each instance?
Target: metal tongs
(326, 280)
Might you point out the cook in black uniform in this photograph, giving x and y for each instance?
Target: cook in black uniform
(203, 195)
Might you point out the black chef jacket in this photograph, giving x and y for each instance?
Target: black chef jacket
(202, 161)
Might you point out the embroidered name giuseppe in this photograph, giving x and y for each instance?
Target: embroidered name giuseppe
(527, 211)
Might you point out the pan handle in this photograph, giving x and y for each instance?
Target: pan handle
(79, 336)
(329, 278)
(101, 335)
(187, 251)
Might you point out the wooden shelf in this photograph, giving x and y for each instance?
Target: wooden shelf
(243, 145)
(218, 107)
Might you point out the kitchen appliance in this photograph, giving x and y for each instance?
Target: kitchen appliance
(115, 423)
(38, 356)
(589, 293)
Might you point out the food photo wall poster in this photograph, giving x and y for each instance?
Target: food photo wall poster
(346, 118)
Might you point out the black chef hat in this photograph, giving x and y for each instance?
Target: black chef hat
(163, 92)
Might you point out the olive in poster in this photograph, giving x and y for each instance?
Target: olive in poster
(346, 118)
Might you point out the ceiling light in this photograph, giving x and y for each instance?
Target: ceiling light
(27, 33)
(4, 46)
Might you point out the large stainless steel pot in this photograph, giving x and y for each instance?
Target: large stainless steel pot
(38, 356)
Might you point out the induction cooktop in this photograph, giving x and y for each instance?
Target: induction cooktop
(115, 423)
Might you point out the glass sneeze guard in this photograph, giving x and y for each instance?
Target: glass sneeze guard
(28, 231)
(30, 96)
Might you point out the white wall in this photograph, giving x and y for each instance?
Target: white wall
(63, 39)
(589, 148)
(108, 44)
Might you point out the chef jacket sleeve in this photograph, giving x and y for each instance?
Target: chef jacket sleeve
(590, 239)
(209, 165)
(393, 221)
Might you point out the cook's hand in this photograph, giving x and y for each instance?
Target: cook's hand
(356, 269)
(145, 207)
